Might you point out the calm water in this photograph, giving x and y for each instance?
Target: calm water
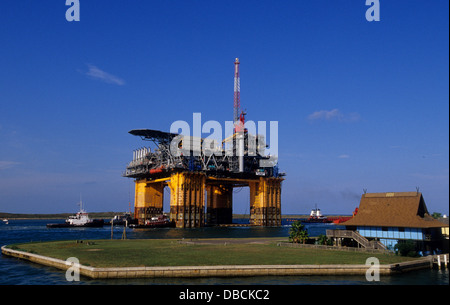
(17, 272)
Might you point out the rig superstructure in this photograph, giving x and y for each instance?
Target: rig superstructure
(193, 167)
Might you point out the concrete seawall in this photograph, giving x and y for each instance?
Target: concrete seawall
(218, 271)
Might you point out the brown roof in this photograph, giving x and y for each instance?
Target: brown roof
(402, 209)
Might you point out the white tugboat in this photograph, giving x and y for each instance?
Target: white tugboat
(316, 217)
(81, 219)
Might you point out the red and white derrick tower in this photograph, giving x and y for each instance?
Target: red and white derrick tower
(239, 115)
(237, 91)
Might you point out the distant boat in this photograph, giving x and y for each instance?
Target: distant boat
(81, 219)
(160, 221)
(5, 221)
(121, 220)
(316, 217)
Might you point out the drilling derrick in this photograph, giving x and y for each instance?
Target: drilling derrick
(202, 173)
(237, 92)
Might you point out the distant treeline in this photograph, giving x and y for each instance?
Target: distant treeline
(107, 215)
(56, 216)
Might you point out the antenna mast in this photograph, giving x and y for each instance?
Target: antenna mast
(237, 91)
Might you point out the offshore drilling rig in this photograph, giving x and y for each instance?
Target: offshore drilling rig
(194, 168)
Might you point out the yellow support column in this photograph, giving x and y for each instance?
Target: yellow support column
(273, 211)
(187, 200)
(265, 202)
(148, 201)
(176, 197)
(255, 204)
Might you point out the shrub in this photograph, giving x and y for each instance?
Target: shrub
(324, 240)
(298, 233)
(406, 248)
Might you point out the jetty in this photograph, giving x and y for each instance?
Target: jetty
(440, 261)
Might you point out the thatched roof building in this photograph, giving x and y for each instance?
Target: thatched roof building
(401, 209)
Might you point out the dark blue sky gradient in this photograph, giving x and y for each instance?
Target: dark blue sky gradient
(360, 105)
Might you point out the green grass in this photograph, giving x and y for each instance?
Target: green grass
(166, 252)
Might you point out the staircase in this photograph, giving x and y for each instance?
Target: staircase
(361, 240)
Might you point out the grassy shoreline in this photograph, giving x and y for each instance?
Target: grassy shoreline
(170, 252)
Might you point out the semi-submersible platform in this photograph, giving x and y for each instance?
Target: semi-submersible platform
(203, 172)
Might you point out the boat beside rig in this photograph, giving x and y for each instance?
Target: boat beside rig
(80, 219)
(161, 221)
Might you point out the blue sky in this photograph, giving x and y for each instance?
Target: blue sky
(360, 105)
